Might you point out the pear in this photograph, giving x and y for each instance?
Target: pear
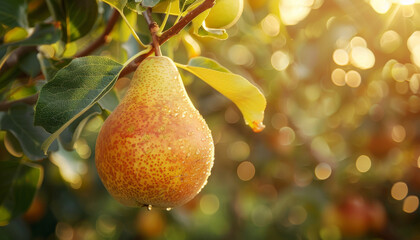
(155, 149)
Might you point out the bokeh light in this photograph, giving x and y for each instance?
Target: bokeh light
(353, 79)
(209, 204)
(271, 25)
(398, 133)
(362, 57)
(381, 6)
(323, 171)
(292, 12)
(341, 57)
(240, 55)
(338, 77)
(238, 151)
(363, 163)
(411, 204)
(246, 171)
(280, 60)
(390, 41)
(399, 190)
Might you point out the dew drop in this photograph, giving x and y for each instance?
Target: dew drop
(191, 116)
(169, 148)
(176, 114)
(190, 133)
(197, 152)
(149, 207)
(168, 209)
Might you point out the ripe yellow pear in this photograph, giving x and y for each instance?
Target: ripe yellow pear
(225, 13)
(155, 148)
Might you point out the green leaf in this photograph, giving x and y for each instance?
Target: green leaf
(74, 89)
(207, 63)
(19, 121)
(118, 4)
(201, 30)
(77, 17)
(70, 135)
(50, 67)
(43, 34)
(19, 182)
(29, 64)
(13, 13)
(150, 3)
(250, 101)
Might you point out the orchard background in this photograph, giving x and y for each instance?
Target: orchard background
(339, 157)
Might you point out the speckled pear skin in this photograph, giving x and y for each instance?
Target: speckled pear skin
(155, 148)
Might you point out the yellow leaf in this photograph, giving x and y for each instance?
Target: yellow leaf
(163, 6)
(15, 34)
(121, 31)
(192, 46)
(247, 97)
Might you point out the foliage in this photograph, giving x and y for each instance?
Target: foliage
(337, 160)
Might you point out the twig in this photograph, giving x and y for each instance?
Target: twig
(4, 106)
(154, 29)
(103, 38)
(175, 29)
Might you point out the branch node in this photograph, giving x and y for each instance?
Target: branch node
(154, 30)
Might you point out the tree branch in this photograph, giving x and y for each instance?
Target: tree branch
(4, 106)
(175, 29)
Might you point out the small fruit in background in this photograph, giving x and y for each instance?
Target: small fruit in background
(225, 13)
(356, 216)
(36, 211)
(376, 216)
(155, 149)
(150, 224)
(256, 4)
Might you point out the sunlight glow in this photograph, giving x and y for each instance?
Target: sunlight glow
(406, 2)
(380, 6)
(292, 12)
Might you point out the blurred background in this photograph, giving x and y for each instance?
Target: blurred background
(340, 155)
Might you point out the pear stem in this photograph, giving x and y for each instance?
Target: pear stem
(172, 31)
(154, 30)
